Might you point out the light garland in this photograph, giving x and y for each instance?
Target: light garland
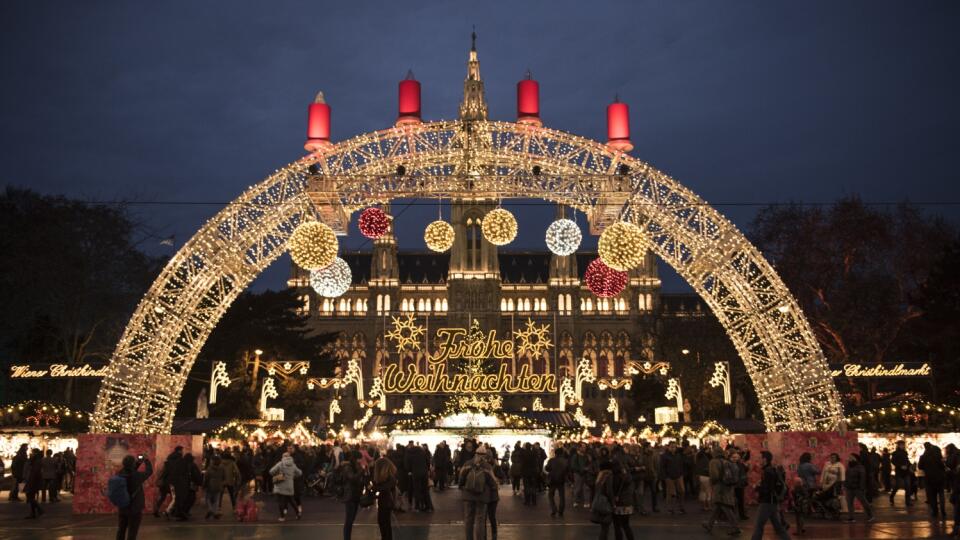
(373, 223)
(622, 246)
(603, 281)
(439, 236)
(614, 407)
(333, 280)
(563, 237)
(499, 227)
(313, 245)
(567, 395)
(907, 414)
(332, 411)
(218, 378)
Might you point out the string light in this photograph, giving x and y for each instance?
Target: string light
(373, 223)
(563, 237)
(313, 245)
(603, 281)
(439, 236)
(499, 227)
(622, 246)
(333, 280)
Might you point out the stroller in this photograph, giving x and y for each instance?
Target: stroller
(825, 503)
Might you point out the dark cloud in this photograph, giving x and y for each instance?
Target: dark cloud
(742, 101)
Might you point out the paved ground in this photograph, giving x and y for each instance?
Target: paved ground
(323, 519)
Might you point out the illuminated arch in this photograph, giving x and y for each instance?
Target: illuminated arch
(153, 358)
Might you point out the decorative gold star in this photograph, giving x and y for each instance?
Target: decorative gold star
(533, 338)
(406, 333)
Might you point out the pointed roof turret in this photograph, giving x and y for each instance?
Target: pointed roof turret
(474, 106)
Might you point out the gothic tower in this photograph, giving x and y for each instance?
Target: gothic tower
(474, 278)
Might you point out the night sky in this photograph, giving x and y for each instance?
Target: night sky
(743, 102)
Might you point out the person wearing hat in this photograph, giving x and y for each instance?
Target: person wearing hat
(476, 482)
(855, 486)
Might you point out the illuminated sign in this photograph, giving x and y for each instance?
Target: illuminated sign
(56, 371)
(879, 370)
(438, 381)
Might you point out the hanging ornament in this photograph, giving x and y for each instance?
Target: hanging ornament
(499, 227)
(622, 246)
(313, 245)
(563, 237)
(373, 223)
(603, 281)
(332, 281)
(439, 236)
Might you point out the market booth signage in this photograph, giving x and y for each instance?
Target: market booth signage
(56, 371)
(861, 371)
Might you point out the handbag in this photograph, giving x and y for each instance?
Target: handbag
(368, 498)
(279, 477)
(601, 511)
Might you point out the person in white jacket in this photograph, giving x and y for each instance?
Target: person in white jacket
(283, 474)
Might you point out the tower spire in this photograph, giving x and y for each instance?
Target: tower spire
(474, 106)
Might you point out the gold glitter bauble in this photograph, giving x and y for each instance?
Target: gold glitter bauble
(499, 227)
(439, 236)
(622, 246)
(313, 245)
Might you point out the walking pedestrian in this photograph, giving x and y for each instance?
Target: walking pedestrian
(702, 466)
(164, 479)
(48, 471)
(855, 487)
(724, 477)
(282, 476)
(934, 475)
(213, 482)
(17, 467)
(129, 517)
(771, 492)
(384, 484)
(614, 484)
(671, 466)
(557, 469)
(531, 474)
(901, 469)
(231, 479)
(476, 481)
(33, 482)
(352, 478)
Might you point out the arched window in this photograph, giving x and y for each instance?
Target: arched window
(543, 304)
(642, 302)
(536, 304)
(473, 244)
(359, 306)
(420, 304)
(560, 303)
(379, 304)
(569, 304)
(510, 304)
(404, 305)
(589, 304)
(649, 301)
(503, 304)
(526, 304)
(444, 304)
(386, 303)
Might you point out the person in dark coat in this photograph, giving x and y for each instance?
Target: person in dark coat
(17, 467)
(886, 470)
(165, 480)
(188, 481)
(352, 477)
(131, 516)
(855, 487)
(934, 473)
(901, 469)
(33, 476)
(384, 484)
(531, 474)
(417, 466)
(557, 469)
(441, 465)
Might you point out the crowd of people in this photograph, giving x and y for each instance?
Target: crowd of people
(613, 482)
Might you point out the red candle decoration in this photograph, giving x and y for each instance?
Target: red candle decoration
(528, 101)
(618, 126)
(603, 281)
(318, 124)
(409, 101)
(373, 223)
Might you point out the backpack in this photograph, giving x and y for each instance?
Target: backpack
(476, 480)
(117, 491)
(730, 475)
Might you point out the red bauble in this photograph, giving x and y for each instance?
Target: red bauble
(603, 281)
(373, 223)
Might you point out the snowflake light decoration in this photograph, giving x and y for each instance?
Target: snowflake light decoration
(533, 338)
(563, 237)
(406, 333)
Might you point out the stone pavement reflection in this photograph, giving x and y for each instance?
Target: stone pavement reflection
(323, 519)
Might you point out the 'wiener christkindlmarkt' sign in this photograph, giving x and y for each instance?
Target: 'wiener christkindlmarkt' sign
(913, 369)
(56, 371)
